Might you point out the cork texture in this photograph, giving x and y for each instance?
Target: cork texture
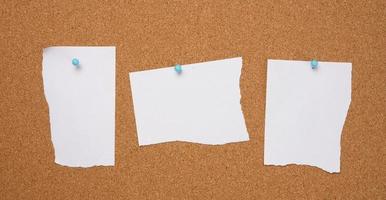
(153, 34)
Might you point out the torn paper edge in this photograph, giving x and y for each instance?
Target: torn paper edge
(193, 142)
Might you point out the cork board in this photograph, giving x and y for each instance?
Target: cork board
(152, 34)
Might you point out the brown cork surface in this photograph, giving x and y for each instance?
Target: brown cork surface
(152, 34)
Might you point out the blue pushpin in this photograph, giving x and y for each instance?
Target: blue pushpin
(178, 68)
(314, 64)
(75, 62)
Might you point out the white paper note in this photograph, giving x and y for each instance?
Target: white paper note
(305, 113)
(81, 104)
(200, 105)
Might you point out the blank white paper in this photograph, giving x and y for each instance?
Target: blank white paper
(81, 104)
(200, 105)
(305, 113)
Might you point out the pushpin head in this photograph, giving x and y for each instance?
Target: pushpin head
(178, 68)
(314, 64)
(75, 62)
